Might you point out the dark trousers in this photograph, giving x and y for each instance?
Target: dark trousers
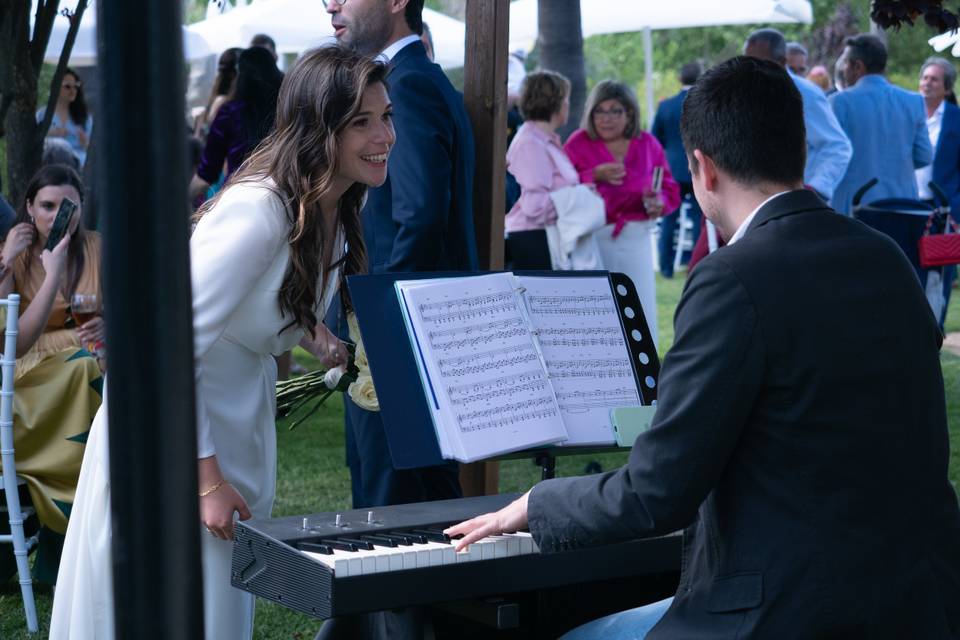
(666, 247)
(374, 480)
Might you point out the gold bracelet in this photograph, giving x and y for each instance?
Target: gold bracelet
(204, 494)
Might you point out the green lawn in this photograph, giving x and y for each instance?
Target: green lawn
(312, 477)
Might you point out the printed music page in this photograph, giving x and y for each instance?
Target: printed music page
(578, 327)
(483, 372)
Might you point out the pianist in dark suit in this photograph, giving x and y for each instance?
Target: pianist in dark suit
(800, 439)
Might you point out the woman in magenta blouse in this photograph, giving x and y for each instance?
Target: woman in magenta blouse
(612, 152)
(538, 162)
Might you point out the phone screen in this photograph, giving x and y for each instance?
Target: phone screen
(60, 223)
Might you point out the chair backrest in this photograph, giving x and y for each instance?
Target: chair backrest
(8, 363)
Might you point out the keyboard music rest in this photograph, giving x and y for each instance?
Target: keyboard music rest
(267, 563)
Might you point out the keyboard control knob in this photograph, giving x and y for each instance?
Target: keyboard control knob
(338, 521)
(306, 524)
(370, 517)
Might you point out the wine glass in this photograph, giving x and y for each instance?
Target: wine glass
(84, 307)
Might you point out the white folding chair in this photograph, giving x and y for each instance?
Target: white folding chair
(21, 545)
(684, 234)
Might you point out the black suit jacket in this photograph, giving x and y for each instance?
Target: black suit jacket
(800, 438)
(421, 219)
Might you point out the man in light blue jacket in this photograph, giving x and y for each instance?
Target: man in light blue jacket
(886, 125)
(828, 149)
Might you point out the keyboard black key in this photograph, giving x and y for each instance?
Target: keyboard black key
(360, 544)
(315, 547)
(405, 540)
(380, 541)
(433, 535)
(340, 544)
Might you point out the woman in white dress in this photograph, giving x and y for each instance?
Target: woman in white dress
(266, 258)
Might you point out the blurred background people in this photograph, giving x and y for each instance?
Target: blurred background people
(666, 129)
(426, 37)
(819, 76)
(71, 121)
(265, 41)
(537, 160)
(828, 148)
(885, 124)
(223, 86)
(58, 380)
(242, 122)
(611, 151)
(797, 58)
(937, 80)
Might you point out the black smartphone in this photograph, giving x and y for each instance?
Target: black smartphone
(61, 223)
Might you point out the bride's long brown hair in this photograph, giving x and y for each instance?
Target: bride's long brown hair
(319, 97)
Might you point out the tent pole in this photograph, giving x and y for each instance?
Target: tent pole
(648, 73)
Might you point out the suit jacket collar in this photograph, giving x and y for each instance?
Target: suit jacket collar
(412, 51)
(787, 204)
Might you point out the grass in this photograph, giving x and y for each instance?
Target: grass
(312, 477)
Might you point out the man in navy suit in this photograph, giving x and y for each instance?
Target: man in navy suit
(937, 79)
(421, 219)
(666, 129)
(800, 437)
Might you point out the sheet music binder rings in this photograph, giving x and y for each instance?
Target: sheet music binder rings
(403, 404)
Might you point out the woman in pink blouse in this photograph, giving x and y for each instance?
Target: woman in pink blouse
(612, 152)
(537, 161)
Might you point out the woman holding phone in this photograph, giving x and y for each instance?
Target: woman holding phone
(57, 384)
(267, 256)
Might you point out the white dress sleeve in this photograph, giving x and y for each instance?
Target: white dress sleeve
(231, 248)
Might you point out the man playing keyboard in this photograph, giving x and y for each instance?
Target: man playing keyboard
(800, 436)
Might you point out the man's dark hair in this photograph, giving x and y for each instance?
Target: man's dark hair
(747, 116)
(690, 72)
(869, 50)
(775, 42)
(263, 40)
(414, 16)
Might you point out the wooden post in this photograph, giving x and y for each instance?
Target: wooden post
(485, 96)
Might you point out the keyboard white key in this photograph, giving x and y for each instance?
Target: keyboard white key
(417, 556)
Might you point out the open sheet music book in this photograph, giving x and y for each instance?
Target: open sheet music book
(513, 362)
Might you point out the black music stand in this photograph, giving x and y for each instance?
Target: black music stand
(406, 416)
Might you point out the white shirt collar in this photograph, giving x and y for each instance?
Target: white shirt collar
(742, 229)
(391, 52)
(938, 112)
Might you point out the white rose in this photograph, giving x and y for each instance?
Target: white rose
(332, 377)
(363, 393)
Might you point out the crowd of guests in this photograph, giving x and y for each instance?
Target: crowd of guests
(859, 127)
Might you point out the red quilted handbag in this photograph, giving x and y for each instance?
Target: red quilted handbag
(937, 250)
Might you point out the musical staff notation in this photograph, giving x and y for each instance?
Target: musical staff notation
(481, 339)
(571, 305)
(507, 414)
(586, 400)
(528, 381)
(480, 362)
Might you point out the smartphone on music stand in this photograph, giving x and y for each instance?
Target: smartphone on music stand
(61, 223)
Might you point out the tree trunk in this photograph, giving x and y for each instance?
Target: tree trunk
(561, 50)
(24, 144)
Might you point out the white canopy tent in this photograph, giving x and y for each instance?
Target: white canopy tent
(616, 16)
(298, 25)
(946, 41)
(84, 51)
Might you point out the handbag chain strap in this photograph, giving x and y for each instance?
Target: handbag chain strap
(950, 223)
